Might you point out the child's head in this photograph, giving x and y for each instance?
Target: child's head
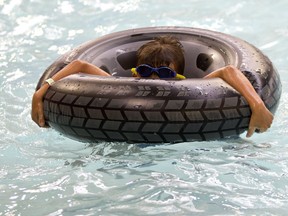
(162, 51)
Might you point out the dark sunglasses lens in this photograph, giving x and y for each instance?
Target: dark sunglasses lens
(166, 73)
(144, 71)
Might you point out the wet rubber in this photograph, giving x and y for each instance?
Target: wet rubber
(121, 108)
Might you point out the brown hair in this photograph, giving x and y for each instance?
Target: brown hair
(162, 51)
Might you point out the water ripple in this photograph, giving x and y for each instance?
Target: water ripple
(42, 171)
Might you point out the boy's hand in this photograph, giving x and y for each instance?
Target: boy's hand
(37, 113)
(261, 119)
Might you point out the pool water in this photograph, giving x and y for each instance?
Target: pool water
(45, 173)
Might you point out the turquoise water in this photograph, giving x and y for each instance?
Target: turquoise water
(44, 173)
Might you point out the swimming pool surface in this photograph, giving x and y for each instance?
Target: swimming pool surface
(45, 173)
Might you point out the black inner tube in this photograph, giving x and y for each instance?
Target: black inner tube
(122, 108)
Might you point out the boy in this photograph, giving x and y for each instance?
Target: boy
(164, 58)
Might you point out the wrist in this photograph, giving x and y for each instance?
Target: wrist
(50, 81)
(256, 105)
(42, 91)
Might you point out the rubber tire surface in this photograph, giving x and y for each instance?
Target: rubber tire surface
(93, 108)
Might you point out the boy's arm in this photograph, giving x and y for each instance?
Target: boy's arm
(261, 117)
(72, 68)
(77, 66)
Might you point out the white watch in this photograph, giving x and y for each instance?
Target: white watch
(50, 81)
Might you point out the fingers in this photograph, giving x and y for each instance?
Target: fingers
(260, 122)
(262, 130)
(35, 117)
(41, 119)
(37, 112)
(250, 131)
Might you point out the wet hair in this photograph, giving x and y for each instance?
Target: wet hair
(162, 51)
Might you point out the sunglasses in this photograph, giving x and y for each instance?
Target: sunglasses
(145, 70)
